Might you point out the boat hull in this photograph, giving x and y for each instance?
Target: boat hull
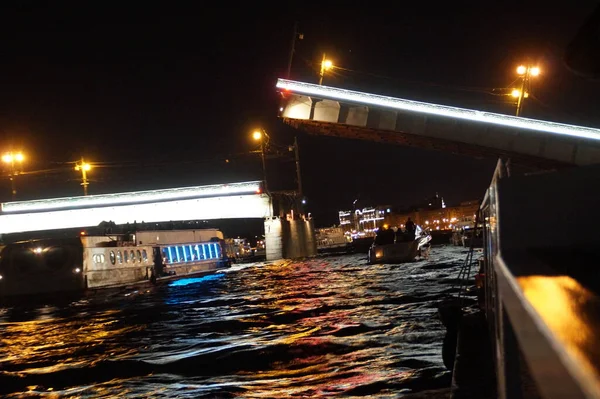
(400, 252)
(183, 271)
(49, 284)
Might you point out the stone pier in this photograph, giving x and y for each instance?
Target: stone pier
(289, 238)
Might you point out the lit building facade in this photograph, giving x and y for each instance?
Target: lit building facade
(445, 218)
(363, 222)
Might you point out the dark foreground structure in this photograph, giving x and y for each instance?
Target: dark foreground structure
(536, 333)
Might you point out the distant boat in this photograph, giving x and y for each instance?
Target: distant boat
(466, 234)
(332, 239)
(79, 264)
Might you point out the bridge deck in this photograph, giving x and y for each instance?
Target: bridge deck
(223, 201)
(350, 114)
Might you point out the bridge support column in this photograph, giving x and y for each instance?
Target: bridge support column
(289, 238)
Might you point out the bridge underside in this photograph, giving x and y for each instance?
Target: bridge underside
(349, 114)
(410, 140)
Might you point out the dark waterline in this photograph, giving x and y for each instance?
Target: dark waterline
(329, 326)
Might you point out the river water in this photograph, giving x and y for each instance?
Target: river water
(325, 327)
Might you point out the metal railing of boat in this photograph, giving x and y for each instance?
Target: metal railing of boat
(528, 348)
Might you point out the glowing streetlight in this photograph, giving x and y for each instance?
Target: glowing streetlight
(263, 137)
(526, 71)
(517, 93)
(13, 160)
(84, 167)
(325, 66)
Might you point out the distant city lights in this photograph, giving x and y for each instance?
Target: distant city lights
(435, 109)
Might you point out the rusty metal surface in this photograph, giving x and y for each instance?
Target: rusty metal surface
(411, 140)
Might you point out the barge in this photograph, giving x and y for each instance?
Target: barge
(78, 264)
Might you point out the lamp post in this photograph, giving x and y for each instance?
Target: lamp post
(84, 167)
(325, 66)
(262, 136)
(300, 195)
(293, 48)
(525, 72)
(12, 159)
(298, 176)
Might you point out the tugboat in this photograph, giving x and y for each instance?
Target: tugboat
(396, 246)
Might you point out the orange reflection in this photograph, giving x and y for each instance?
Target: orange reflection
(31, 342)
(563, 304)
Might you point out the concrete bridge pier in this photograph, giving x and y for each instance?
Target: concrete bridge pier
(290, 238)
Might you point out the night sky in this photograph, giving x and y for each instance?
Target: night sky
(163, 95)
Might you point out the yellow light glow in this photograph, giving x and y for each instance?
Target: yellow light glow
(561, 301)
(535, 71)
(87, 166)
(385, 226)
(327, 64)
(257, 135)
(515, 93)
(521, 69)
(11, 157)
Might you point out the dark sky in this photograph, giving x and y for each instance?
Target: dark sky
(162, 93)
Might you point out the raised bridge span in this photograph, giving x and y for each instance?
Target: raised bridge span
(351, 114)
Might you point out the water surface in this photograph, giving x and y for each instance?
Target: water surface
(329, 326)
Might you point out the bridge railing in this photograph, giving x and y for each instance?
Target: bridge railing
(542, 284)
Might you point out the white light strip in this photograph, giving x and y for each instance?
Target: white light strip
(132, 197)
(370, 220)
(435, 109)
(232, 207)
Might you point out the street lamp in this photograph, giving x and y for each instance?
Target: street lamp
(13, 159)
(84, 167)
(325, 66)
(525, 71)
(293, 48)
(262, 136)
(516, 93)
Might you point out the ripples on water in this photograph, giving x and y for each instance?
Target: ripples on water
(330, 326)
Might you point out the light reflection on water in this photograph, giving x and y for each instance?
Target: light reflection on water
(187, 281)
(323, 327)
